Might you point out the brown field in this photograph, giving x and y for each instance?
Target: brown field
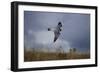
(44, 56)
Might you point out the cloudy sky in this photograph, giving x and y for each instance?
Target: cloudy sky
(75, 30)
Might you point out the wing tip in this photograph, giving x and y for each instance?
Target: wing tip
(54, 40)
(49, 29)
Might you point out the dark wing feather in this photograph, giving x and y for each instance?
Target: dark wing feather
(56, 35)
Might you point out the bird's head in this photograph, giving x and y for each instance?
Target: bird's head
(60, 24)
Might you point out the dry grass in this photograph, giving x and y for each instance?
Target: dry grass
(44, 56)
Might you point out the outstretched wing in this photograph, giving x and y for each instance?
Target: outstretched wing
(56, 35)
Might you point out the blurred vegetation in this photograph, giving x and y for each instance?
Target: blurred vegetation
(58, 55)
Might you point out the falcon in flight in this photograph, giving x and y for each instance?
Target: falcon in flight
(56, 31)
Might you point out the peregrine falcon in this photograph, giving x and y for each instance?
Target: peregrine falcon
(56, 31)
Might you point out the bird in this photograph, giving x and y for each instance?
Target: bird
(56, 31)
